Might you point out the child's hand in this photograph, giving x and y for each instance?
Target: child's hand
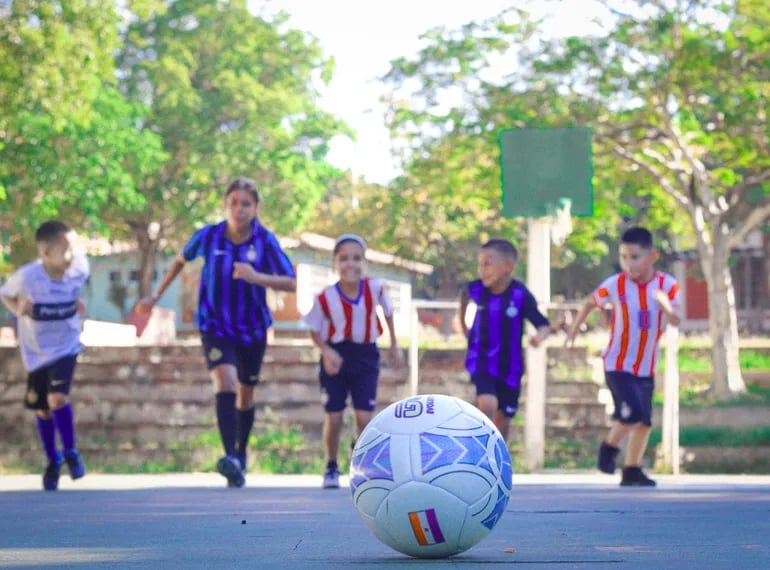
(144, 306)
(25, 307)
(395, 357)
(663, 301)
(331, 360)
(244, 271)
(81, 307)
(535, 340)
(569, 342)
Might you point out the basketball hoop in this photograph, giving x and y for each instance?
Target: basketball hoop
(561, 221)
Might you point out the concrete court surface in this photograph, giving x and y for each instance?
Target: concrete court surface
(557, 521)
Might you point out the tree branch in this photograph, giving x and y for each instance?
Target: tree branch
(754, 219)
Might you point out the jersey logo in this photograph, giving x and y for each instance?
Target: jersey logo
(644, 319)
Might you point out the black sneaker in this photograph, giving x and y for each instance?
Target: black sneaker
(51, 475)
(605, 460)
(230, 468)
(75, 463)
(635, 477)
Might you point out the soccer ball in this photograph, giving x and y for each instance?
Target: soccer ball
(430, 476)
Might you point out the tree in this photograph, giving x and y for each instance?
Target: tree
(676, 93)
(69, 143)
(690, 81)
(229, 94)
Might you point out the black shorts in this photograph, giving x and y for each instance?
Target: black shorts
(247, 358)
(358, 376)
(507, 396)
(632, 396)
(55, 377)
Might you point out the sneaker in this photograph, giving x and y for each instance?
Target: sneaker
(635, 477)
(605, 461)
(75, 463)
(243, 461)
(51, 475)
(230, 468)
(331, 478)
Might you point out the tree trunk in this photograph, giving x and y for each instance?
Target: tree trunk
(147, 252)
(726, 378)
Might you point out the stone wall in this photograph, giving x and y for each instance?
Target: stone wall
(135, 405)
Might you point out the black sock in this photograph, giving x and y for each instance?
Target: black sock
(331, 465)
(227, 420)
(245, 423)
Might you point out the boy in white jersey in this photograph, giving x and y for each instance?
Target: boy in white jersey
(642, 301)
(44, 296)
(344, 325)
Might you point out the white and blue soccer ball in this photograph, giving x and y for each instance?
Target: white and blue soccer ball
(431, 476)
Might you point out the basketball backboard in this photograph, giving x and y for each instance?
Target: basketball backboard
(541, 168)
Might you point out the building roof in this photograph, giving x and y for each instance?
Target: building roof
(325, 243)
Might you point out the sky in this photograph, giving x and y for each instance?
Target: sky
(363, 36)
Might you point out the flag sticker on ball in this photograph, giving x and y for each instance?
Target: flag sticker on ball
(426, 528)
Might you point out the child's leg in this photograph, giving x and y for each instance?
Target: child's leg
(637, 445)
(225, 384)
(332, 428)
(47, 431)
(63, 419)
(487, 403)
(617, 432)
(363, 417)
(502, 423)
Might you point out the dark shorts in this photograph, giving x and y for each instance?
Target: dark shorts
(52, 378)
(358, 377)
(247, 358)
(632, 396)
(507, 396)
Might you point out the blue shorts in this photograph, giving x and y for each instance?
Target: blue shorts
(507, 396)
(247, 358)
(55, 377)
(358, 376)
(632, 396)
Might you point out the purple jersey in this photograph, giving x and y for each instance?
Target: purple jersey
(494, 340)
(227, 307)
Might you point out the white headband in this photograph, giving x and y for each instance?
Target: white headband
(349, 237)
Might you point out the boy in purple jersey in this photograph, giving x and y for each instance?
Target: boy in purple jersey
(44, 296)
(494, 359)
(241, 258)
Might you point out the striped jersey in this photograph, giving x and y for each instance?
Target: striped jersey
(227, 307)
(337, 317)
(494, 339)
(636, 323)
(52, 331)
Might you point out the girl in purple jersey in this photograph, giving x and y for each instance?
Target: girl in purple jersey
(241, 259)
(494, 358)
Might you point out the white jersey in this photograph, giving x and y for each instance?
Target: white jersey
(338, 318)
(637, 321)
(52, 331)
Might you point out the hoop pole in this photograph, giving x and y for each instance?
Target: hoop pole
(539, 283)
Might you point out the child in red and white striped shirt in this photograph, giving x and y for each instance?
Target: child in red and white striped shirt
(642, 301)
(344, 325)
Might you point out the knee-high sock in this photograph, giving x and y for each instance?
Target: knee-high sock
(227, 420)
(245, 423)
(65, 425)
(47, 432)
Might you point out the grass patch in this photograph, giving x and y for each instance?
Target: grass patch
(706, 436)
(698, 396)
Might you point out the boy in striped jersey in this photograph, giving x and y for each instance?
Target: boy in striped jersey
(494, 358)
(241, 259)
(642, 300)
(344, 325)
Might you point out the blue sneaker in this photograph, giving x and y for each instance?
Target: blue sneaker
(51, 474)
(75, 463)
(230, 468)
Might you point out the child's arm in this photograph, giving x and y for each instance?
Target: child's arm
(463, 299)
(145, 305)
(542, 334)
(17, 305)
(673, 314)
(394, 354)
(585, 310)
(330, 358)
